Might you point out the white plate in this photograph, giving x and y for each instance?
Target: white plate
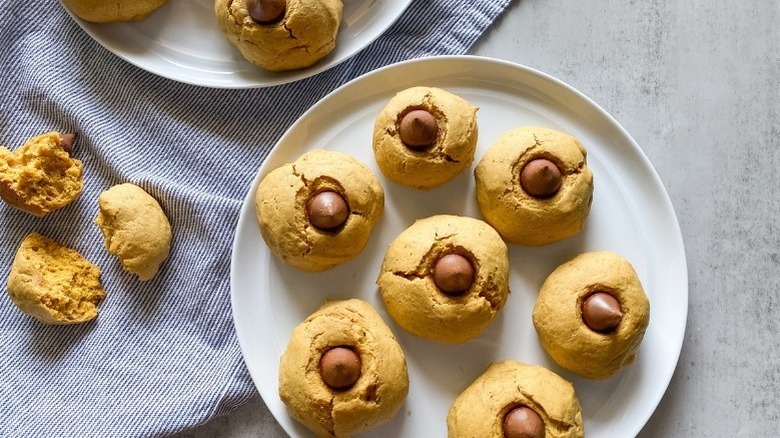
(631, 215)
(182, 41)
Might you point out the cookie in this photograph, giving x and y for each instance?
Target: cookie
(318, 212)
(135, 229)
(343, 371)
(106, 11)
(54, 283)
(512, 399)
(41, 176)
(425, 136)
(445, 278)
(591, 314)
(280, 35)
(534, 186)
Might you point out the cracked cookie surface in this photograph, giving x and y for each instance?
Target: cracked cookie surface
(518, 216)
(304, 35)
(480, 409)
(105, 11)
(281, 202)
(377, 394)
(451, 153)
(558, 317)
(54, 283)
(134, 228)
(410, 293)
(41, 176)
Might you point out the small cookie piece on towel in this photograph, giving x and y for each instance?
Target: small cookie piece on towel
(425, 136)
(536, 397)
(54, 283)
(318, 212)
(445, 278)
(294, 36)
(107, 11)
(589, 338)
(374, 364)
(534, 186)
(41, 176)
(135, 229)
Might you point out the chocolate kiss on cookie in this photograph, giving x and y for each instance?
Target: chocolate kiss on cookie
(266, 11)
(601, 312)
(541, 178)
(340, 367)
(418, 129)
(523, 422)
(453, 274)
(327, 210)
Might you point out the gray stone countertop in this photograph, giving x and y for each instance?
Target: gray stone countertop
(697, 84)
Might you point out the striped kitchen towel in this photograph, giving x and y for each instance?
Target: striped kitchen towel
(163, 355)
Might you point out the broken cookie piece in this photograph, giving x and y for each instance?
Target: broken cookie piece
(41, 176)
(445, 278)
(135, 229)
(343, 371)
(54, 283)
(280, 35)
(318, 212)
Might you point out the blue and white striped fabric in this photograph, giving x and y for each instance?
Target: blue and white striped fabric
(162, 356)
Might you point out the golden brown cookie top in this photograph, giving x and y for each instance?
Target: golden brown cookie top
(318, 211)
(343, 371)
(41, 176)
(107, 11)
(425, 136)
(445, 277)
(534, 185)
(54, 283)
(568, 327)
(280, 37)
(482, 408)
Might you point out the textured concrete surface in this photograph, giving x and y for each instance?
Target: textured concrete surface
(698, 86)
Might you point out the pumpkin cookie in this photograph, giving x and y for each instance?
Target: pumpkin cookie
(135, 229)
(343, 371)
(425, 136)
(445, 278)
(54, 283)
(592, 313)
(41, 176)
(534, 186)
(512, 399)
(280, 35)
(318, 212)
(105, 11)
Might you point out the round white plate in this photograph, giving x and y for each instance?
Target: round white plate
(631, 215)
(182, 41)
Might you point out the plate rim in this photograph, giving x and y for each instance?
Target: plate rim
(675, 237)
(285, 77)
